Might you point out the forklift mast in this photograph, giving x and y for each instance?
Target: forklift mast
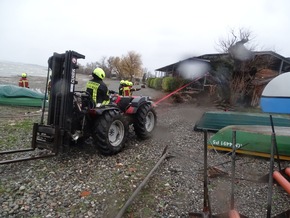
(55, 135)
(63, 81)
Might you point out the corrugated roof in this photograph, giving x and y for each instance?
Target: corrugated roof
(210, 57)
(172, 67)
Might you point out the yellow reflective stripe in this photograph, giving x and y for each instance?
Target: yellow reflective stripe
(23, 82)
(105, 102)
(126, 88)
(94, 86)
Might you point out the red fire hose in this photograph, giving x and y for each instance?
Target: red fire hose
(282, 181)
(287, 171)
(234, 214)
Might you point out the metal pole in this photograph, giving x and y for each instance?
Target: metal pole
(205, 179)
(276, 151)
(270, 184)
(143, 183)
(45, 96)
(233, 170)
(206, 203)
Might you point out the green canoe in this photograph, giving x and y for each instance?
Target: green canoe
(18, 96)
(252, 140)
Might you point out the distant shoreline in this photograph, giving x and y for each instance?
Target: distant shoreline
(15, 76)
(35, 82)
(39, 82)
(11, 69)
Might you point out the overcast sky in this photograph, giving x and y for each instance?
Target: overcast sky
(162, 31)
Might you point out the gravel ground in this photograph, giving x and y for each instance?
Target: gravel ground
(83, 183)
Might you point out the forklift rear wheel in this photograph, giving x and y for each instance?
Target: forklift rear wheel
(145, 121)
(116, 133)
(110, 132)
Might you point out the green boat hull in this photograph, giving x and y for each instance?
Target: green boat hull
(18, 96)
(216, 120)
(28, 102)
(253, 140)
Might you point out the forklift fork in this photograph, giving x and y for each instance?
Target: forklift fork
(42, 139)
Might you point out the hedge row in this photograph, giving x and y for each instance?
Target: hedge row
(167, 84)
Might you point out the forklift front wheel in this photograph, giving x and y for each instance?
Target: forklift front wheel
(110, 132)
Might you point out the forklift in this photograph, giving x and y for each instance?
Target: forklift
(73, 117)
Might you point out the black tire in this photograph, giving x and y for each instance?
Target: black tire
(145, 121)
(110, 132)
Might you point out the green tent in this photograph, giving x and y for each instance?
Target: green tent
(19, 96)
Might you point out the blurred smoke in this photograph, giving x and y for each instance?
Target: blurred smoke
(193, 69)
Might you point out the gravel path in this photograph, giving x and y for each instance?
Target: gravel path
(83, 183)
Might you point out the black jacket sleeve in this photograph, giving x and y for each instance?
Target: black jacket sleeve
(102, 93)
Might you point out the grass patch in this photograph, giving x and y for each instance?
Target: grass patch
(16, 133)
(2, 188)
(26, 124)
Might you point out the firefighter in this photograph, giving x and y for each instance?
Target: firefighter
(127, 90)
(23, 81)
(97, 88)
(121, 86)
(133, 89)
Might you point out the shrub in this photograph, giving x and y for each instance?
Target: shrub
(166, 82)
(157, 84)
(150, 82)
(170, 84)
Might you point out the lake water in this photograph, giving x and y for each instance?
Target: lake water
(9, 69)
